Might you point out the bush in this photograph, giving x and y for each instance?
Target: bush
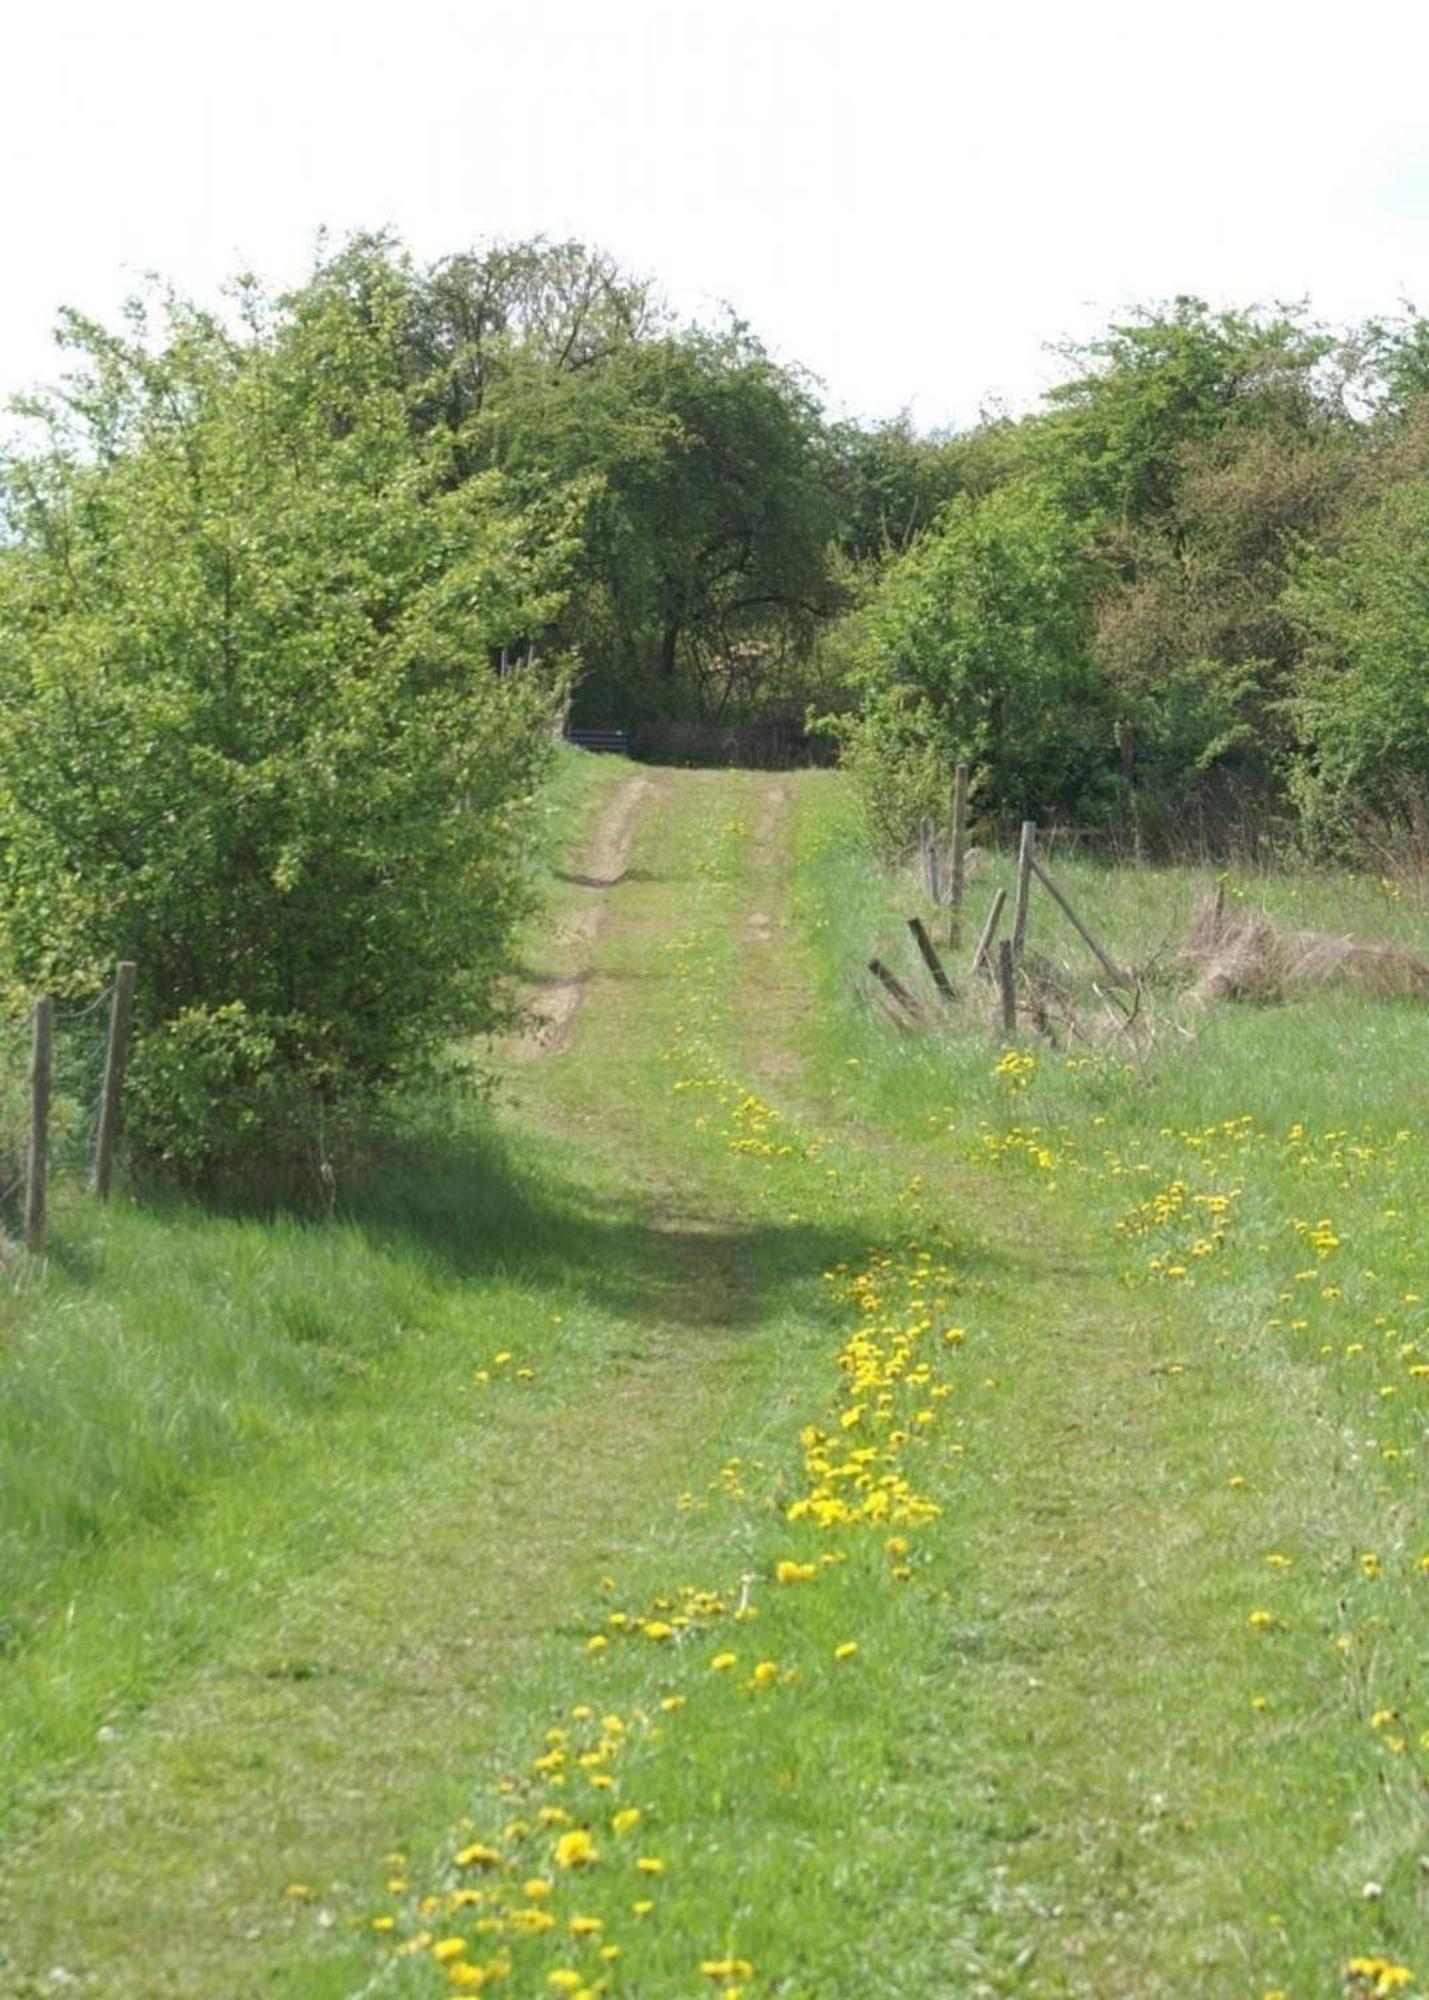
(248, 729)
(976, 647)
(1361, 705)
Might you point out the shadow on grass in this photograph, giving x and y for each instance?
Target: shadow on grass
(476, 1206)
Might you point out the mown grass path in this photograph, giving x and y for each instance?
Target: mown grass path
(1063, 1772)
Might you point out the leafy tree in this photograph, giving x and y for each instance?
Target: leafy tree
(1361, 702)
(1114, 437)
(889, 483)
(977, 647)
(248, 731)
(708, 514)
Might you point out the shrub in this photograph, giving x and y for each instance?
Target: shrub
(248, 729)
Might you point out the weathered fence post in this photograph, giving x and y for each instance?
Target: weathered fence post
(896, 987)
(931, 869)
(929, 952)
(958, 864)
(1024, 885)
(1112, 970)
(1007, 984)
(120, 1014)
(989, 931)
(37, 1164)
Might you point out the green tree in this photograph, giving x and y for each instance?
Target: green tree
(703, 559)
(1361, 702)
(248, 729)
(977, 647)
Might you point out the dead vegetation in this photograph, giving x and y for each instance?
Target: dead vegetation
(1239, 954)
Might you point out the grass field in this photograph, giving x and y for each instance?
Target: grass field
(774, 1506)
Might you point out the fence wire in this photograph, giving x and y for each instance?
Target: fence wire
(81, 1037)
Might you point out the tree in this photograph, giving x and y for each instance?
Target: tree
(248, 731)
(976, 648)
(708, 514)
(1361, 700)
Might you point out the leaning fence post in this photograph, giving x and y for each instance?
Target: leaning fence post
(896, 987)
(958, 866)
(1112, 971)
(36, 1166)
(120, 1014)
(1007, 984)
(1024, 884)
(989, 931)
(929, 952)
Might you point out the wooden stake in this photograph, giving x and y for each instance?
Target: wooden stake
(931, 869)
(959, 857)
(1024, 885)
(1113, 972)
(37, 1165)
(120, 1014)
(895, 987)
(989, 932)
(931, 959)
(1007, 985)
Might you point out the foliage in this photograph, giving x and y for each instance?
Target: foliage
(702, 568)
(1361, 706)
(977, 647)
(1114, 435)
(249, 733)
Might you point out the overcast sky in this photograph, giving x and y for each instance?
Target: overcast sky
(912, 201)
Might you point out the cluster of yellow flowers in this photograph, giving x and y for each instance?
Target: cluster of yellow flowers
(1377, 1977)
(1015, 1069)
(857, 1471)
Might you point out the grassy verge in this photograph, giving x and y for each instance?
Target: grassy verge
(161, 1346)
(1238, 1212)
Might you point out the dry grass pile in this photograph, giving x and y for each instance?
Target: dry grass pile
(1239, 954)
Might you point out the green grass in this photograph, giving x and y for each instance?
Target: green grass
(161, 1345)
(356, 1586)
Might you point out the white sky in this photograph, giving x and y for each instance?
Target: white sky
(911, 200)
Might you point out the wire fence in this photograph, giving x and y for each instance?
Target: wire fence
(76, 1063)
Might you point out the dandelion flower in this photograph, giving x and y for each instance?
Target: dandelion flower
(575, 1849)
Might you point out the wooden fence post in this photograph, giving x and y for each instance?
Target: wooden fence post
(931, 869)
(959, 857)
(1112, 971)
(931, 959)
(989, 931)
(1024, 885)
(37, 1165)
(896, 987)
(1007, 984)
(120, 1014)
